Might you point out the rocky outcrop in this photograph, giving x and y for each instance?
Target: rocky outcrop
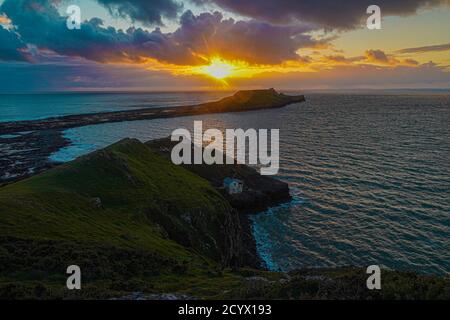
(26, 154)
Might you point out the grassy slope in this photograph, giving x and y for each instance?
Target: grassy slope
(58, 204)
(49, 221)
(136, 188)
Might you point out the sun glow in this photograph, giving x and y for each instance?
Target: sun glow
(218, 69)
(222, 71)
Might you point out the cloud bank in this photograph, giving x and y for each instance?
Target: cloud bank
(145, 11)
(329, 14)
(11, 46)
(440, 47)
(269, 41)
(197, 38)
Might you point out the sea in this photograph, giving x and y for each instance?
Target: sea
(369, 173)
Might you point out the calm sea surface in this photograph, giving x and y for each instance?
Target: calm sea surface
(369, 174)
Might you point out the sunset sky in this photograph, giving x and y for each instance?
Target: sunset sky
(223, 44)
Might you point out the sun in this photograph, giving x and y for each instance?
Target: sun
(222, 70)
(218, 69)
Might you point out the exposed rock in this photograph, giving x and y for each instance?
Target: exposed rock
(97, 203)
(27, 153)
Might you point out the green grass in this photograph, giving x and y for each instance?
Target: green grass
(133, 183)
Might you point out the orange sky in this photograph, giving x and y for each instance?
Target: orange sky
(221, 46)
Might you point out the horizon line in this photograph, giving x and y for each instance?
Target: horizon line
(143, 91)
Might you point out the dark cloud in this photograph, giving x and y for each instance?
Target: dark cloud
(371, 57)
(380, 57)
(198, 37)
(440, 47)
(377, 56)
(328, 13)
(39, 23)
(149, 12)
(11, 47)
(252, 41)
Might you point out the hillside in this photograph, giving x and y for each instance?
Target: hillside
(123, 200)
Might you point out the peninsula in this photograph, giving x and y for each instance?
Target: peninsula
(241, 101)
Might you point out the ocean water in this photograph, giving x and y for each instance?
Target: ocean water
(369, 176)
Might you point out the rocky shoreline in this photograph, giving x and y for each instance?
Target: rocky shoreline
(137, 183)
(27, 153)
